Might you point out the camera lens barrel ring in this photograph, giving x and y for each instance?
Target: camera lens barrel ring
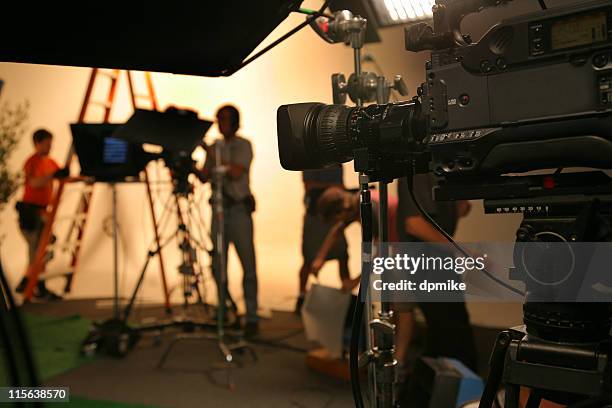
(332, 133)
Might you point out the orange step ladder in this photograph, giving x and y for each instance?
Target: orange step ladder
(77, 229)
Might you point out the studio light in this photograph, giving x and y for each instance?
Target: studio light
(393, 12)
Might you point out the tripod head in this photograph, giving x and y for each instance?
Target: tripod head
(181, 167)
(548, 258)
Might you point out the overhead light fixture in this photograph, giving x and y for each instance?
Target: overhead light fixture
(394, 12)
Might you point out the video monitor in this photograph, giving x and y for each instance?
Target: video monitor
(104, 157)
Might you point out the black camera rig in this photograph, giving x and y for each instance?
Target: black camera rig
(534, 93)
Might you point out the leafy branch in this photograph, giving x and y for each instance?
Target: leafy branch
(13, 125)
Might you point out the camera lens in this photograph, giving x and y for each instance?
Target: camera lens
(315, 135)
(329, 134)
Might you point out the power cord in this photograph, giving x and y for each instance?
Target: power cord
(356, 326)
(450, 239)
(312, 15)
(354, 347)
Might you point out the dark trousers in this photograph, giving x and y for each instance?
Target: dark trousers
(239, 232)
(32, 237)
(449, 333)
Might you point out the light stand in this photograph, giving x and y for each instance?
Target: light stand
(116, 306)
(219, 240)
(114, 335)
(226, 348)
(364, 87)
(221, 256)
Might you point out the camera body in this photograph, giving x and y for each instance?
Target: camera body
(534, 92)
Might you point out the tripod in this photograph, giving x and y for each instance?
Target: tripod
(562, 353)
(188, 269)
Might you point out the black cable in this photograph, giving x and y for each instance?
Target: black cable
(366, 228)
(290, 33)
(278, 345)
(542, 4)
(450, 239)
(310, 12)
(354, 347)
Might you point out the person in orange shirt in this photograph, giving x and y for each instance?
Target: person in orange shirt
(40, 170)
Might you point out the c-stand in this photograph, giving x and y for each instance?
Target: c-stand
(365, 87)
(221, 337)
(191, 279)
(188, 268)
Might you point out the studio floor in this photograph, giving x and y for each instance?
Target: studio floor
(193, 374)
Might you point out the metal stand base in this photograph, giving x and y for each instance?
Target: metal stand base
(227, 350)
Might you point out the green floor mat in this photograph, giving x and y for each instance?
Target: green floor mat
(55, 344)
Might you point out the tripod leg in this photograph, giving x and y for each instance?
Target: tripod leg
(534, 399)
(229, 359)
(231, 384)
(225, 350)
(157, 241)
(252, 353)
(512, 396)
(164, 356)
(496, 364)
(128, 308)
(196, 287)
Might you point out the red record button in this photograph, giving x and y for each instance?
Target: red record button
(548, 183)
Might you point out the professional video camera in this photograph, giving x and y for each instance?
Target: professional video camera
(176, 131)
(534, 93)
